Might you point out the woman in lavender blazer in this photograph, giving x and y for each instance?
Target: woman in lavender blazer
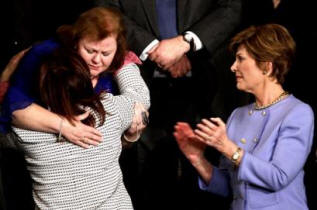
(264, 144)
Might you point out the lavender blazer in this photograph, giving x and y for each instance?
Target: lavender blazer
(276, 141)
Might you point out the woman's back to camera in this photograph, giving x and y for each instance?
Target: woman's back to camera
(65, 175)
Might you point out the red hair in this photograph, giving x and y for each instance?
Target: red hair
(97, 24)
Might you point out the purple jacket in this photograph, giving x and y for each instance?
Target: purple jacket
(276, 141)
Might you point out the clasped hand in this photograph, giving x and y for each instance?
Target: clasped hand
(170, 55)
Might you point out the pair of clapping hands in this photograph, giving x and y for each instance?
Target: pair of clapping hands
(209, 132)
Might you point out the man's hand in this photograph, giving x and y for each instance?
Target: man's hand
(181, 68)
(169, 51)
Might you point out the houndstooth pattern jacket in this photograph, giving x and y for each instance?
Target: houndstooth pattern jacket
(66, 176)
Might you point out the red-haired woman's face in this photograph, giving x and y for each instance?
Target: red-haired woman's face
(98, 54)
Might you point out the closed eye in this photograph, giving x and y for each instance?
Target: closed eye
(89, 51)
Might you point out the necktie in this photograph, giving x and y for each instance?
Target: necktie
(166, 18)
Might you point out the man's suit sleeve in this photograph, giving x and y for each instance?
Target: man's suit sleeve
(217, 26)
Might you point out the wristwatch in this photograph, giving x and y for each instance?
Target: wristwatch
(189, 39)
(236, 155)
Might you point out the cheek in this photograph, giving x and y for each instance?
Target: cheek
(86, 57)
(107, 60)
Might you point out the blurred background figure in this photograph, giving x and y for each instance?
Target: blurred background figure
(8, 71)
(4, 84)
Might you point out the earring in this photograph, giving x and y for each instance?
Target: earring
(264, 72)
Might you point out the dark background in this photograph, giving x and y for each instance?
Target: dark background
(24, 22)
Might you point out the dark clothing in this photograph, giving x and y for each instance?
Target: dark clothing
(165, 179)
(25, 22)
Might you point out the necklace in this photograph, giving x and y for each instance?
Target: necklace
(278, 99)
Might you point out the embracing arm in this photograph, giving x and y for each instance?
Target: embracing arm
(131, 83)
(132, 90)
(19, 104)
(35, 117)
(32, 117)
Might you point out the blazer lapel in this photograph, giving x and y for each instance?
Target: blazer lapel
(149, 8)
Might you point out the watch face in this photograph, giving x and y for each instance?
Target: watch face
(235, 156)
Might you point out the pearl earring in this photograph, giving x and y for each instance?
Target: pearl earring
(264, 72)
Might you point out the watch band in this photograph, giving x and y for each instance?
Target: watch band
(189, 39)
(236, 155)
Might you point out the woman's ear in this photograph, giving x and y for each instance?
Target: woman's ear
(268, 68)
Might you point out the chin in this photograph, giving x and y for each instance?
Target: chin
(240, 87)
(95, 73)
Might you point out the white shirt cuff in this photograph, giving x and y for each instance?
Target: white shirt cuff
(145, 53)
(197, 43)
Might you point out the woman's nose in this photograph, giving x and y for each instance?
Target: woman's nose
(96, 58)
(233, 67)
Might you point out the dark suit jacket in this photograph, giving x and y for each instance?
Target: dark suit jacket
(213, 21)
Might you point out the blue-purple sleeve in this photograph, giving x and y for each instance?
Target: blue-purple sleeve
(21, 92)
(106, 83)
(219, 184)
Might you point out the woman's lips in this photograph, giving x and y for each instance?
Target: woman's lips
(93, 67)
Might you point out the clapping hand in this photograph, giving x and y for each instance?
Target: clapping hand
(188, 143)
